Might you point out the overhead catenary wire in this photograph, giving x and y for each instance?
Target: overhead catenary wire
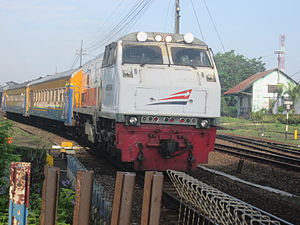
(167, 14)
(75, 61)
(215, 27)
(295, 73)
(198, 23)
(117, 25)
(127, 25)
(138, 17)
(107, 19)
(126, 21)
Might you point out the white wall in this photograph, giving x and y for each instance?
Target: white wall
(261, 97)
(297, 106)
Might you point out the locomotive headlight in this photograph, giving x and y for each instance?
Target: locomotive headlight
(127, 73)
(188, 38)
(204, 123)
(168, 38)
(141, 36)
(158, 37)
(211, 78)
(133, 121)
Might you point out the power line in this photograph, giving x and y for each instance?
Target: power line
(214, 25)
(197, 20)
(138, 17)
(109, 17)
(75, 61)
(295, 73)
(123, 24)
(167, 15)
(294, 60)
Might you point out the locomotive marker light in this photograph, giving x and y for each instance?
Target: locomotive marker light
(188, 38)
(158, 37)
(168, 38)
(141, 36)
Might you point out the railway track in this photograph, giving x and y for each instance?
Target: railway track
(172, 202)
(259, 151)
(262, 143)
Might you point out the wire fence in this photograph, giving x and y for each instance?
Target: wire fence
(101, 202)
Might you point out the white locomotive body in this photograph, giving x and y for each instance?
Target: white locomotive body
(159, 101)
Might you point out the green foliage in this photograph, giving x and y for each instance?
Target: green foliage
(258, 116)
(37, 158)
(6, 150)
(280, 109)
(5, 130)
(234, 68)
(65, 210)
(293, 119)
(292, 90)
(66, 206)
(228, 107)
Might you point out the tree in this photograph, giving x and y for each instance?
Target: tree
(292, 91)
(234, 68)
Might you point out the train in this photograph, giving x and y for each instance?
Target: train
(151, 99)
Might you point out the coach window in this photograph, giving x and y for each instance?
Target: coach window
(109, 57)
(58, 95)
(44, 96)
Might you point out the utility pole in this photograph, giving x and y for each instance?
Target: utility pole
(80, 54)
(177, 16)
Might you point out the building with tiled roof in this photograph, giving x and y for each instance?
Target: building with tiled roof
(259, 91)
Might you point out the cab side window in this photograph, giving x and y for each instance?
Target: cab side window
(109, 57)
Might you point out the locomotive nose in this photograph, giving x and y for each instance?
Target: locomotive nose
(168, 147)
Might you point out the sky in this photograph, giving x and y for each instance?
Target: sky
(40, 37)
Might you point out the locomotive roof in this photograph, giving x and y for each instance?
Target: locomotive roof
(53, 77)
(178, 38)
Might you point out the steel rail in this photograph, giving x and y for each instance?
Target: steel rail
(264, 148)
(260, 156)
(266, 143)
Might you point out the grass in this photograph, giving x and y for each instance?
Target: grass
(22, 138)
(267, 130)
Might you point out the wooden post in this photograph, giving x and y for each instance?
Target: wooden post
(50, 196)
(84, 188)
(153, 187)
(122, 205)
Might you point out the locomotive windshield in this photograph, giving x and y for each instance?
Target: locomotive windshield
(141, 54)
(190, 57)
